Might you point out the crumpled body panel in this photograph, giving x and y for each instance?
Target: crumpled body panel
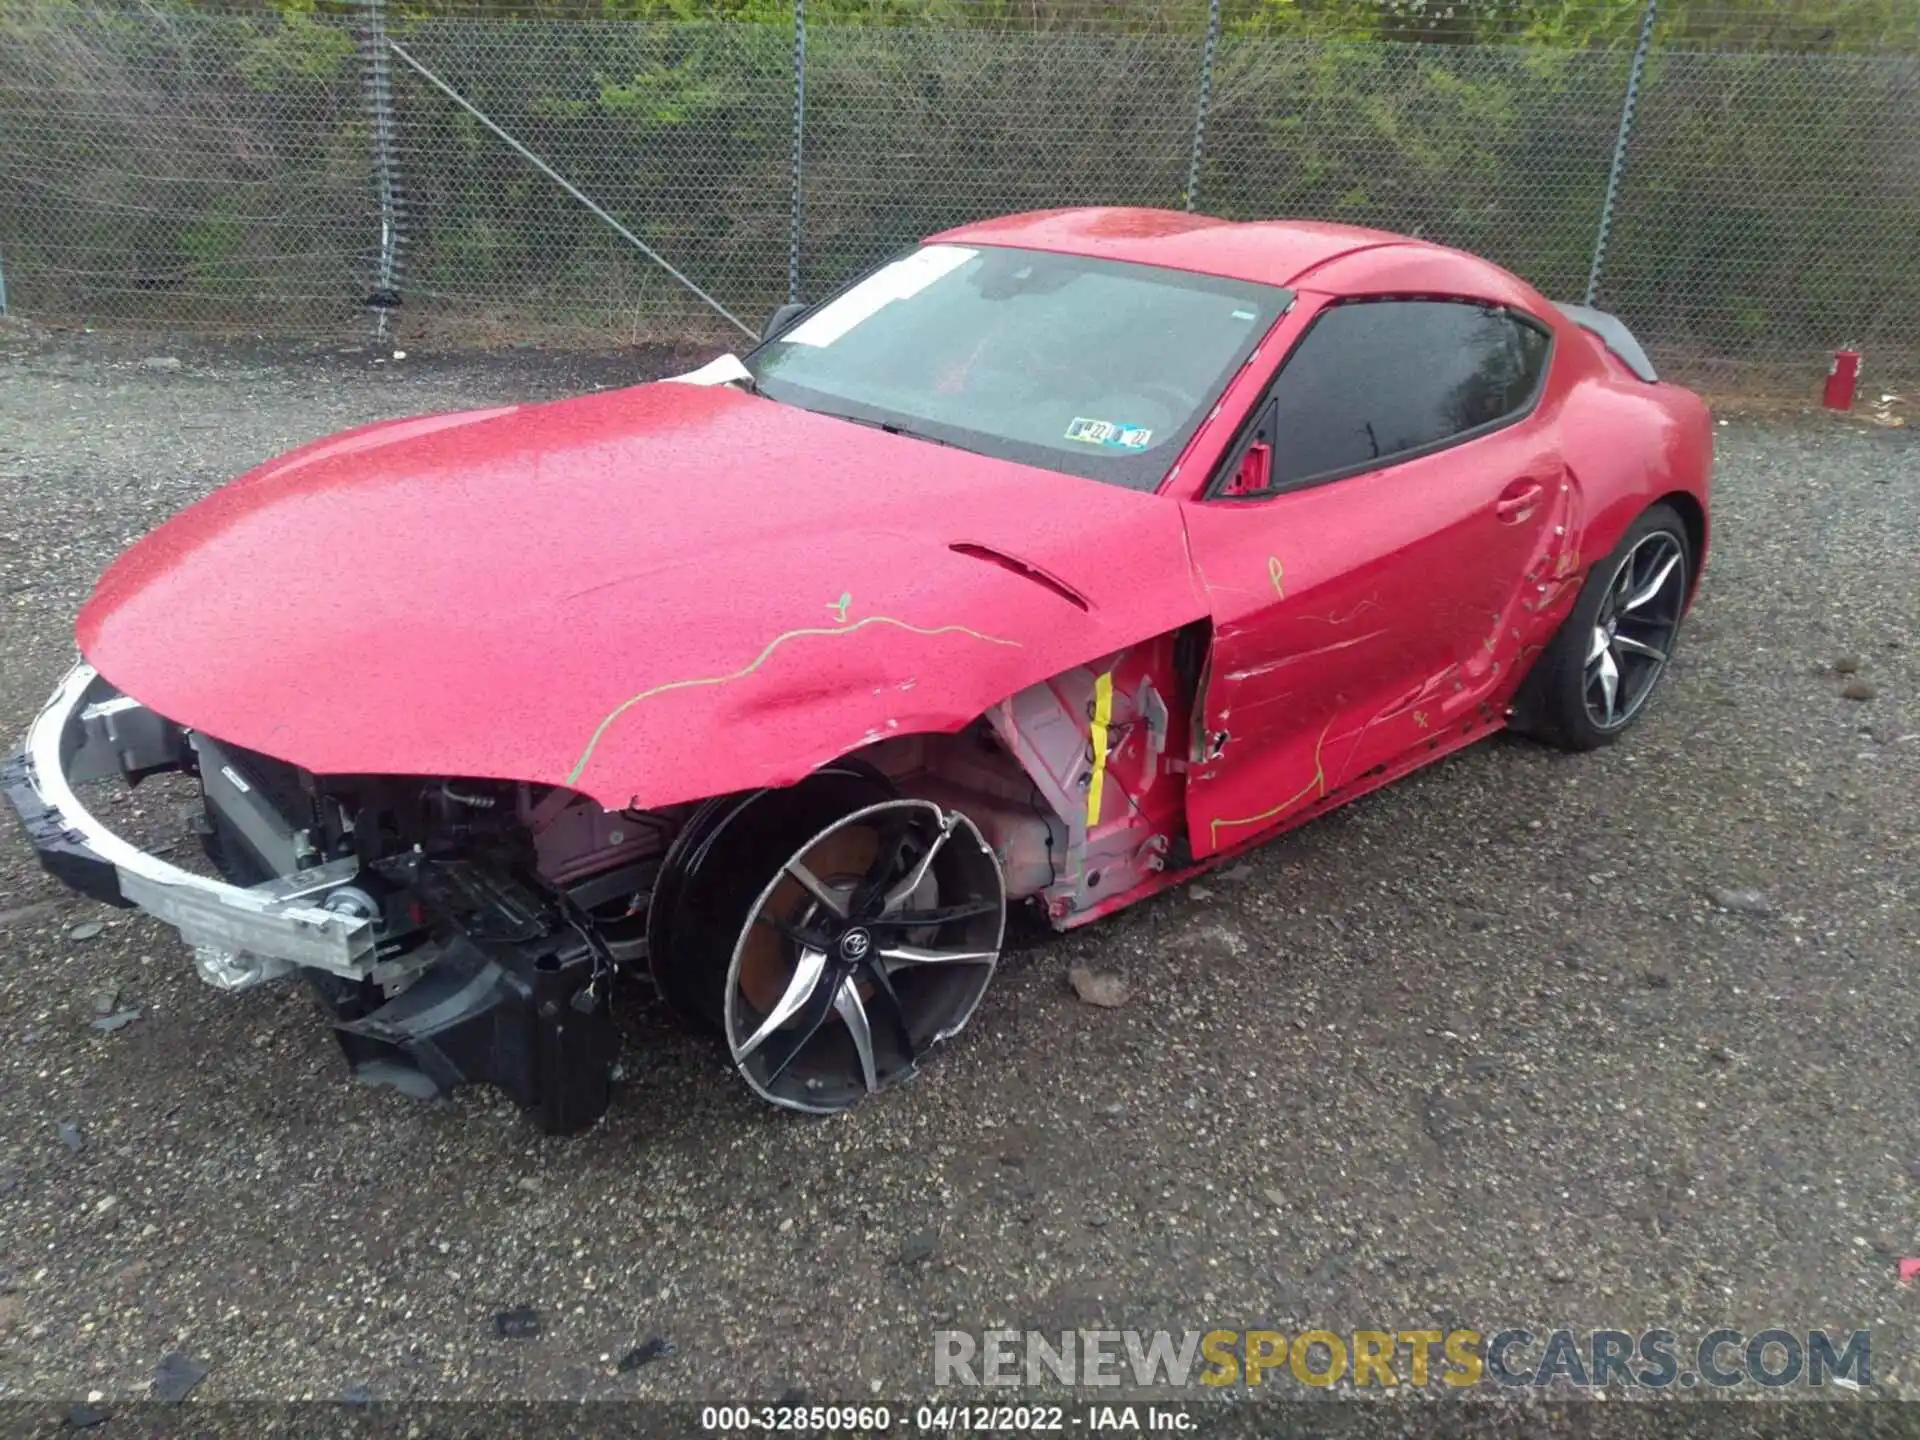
(650, 595)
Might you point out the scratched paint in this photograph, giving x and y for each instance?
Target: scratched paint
(1277, 573)
(1318, 782)
(774, 644)
(1548, 595)
(1335, 618)
(1255, 671)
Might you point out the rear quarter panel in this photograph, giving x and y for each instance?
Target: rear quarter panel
(1630, 444)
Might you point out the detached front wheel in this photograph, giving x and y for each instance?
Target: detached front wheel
(835, 934)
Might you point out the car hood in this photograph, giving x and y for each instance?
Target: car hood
(650, 595)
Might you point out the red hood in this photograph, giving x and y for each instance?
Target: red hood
(651, 594)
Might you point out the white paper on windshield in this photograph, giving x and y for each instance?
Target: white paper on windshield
(727, 370)
(908, 275)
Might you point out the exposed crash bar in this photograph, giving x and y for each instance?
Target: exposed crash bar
(268, 922)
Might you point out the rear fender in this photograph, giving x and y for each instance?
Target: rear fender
(1630, 446)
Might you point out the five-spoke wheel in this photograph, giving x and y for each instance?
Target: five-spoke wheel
(857, 959)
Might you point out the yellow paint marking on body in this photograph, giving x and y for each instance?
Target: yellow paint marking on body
(1277, 573)
(761, 659)
(1318, 782)
(1102, 718)
(1337, 619)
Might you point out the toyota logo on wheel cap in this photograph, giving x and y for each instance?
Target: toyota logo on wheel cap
(855, 944)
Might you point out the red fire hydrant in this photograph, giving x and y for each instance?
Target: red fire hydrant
(1843, 377)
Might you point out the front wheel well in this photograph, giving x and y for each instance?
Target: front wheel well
(1078, 782)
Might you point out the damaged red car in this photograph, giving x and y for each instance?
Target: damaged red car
(1047, 564)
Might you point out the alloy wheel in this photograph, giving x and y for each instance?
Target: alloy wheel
(1634, 629)
(870, 945)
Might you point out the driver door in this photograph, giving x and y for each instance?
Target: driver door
(1371, 529)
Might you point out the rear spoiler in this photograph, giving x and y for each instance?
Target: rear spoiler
(1609, 331)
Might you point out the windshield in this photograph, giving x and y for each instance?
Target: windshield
(1095, 367)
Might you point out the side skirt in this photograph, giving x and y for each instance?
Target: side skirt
(1457, 737)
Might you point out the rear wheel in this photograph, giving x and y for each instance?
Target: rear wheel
(1601, 669)
(834, 932)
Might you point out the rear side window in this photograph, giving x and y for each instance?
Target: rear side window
(1377, 379)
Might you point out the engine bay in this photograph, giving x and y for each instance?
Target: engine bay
(503, 912)
(462, 930)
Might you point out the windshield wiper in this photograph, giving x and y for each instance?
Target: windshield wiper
(892, 428)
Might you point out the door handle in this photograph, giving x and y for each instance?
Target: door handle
(1518, 500)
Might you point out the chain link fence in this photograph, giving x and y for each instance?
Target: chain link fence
(195, 169)
(477, 178)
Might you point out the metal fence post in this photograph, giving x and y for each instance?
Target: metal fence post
(796, 208)
(379, 88)
(1206, 95)
(1634, 71)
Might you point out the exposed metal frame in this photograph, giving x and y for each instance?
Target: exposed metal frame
(276, 921)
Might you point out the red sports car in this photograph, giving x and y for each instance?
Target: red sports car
(1053, 561)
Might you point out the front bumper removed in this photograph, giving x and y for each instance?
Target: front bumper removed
(528, 1018)
(239, 935)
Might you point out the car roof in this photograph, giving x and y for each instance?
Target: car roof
(1268, 252)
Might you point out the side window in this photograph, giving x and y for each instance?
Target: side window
(1377, 378)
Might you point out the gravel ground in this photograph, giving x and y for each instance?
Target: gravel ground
(1479, 1049)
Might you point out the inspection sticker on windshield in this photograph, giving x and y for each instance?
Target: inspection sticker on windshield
(1109, 435)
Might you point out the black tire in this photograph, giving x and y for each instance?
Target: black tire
(834, 932)
(693, 916)
(1558, 700)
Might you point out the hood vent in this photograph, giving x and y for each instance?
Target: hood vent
(1024, 570)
